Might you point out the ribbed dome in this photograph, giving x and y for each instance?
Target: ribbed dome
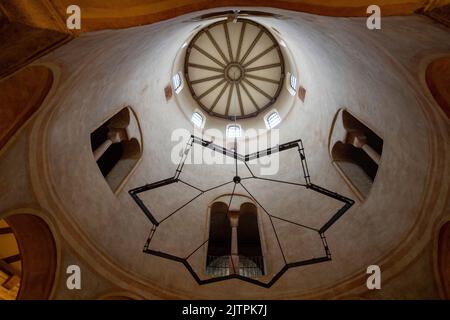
(234, 68)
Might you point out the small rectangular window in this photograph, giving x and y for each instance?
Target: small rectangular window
(197, 119)
(233, 131)
(293, 82)
(176, 82)
(273, 119)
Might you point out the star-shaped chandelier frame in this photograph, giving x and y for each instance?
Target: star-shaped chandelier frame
(347, 204)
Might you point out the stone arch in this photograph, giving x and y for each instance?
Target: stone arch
(437, 77)
(38, 255)
(22, 95)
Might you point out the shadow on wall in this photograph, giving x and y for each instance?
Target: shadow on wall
(21, 95)
(28, 271)
(438, 81)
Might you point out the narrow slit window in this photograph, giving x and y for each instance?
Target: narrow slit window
(176, 82)
(273, 119)
(293, 82)
(197, 119)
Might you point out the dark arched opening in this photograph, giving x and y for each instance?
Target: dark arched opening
(36, 252)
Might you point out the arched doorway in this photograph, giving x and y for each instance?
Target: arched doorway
(28, 258)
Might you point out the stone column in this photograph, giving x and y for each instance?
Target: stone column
(359, 140)
(115, 135)
(234, 259)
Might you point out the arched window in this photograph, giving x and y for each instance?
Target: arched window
(356, 152)
(116, 146)
(234, 244)
(217, 262)
(233, 131)
(27, 258)
(198, 119)
(272, 119)
(291, 83)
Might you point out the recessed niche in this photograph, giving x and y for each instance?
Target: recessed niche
(234, 244)
(116, 146)
(356, 152)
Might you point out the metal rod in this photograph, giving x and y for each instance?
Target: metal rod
(270, 218)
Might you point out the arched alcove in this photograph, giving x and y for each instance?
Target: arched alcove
(356, 152)
(219, 240)
(438, 79)
(444, 258)
(356, 165)
(22, 94)
(117, 147)
(249, 241)
(37, 255)
(234, 240)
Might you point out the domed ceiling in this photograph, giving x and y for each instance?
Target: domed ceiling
(234, 68)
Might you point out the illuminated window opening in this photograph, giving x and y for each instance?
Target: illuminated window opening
(273, 119)
(293, 82)
(197, 119)
(177, 83)
(233, 131)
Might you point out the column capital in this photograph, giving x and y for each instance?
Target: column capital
(117, 135)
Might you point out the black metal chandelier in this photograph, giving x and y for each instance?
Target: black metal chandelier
(347, 203)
